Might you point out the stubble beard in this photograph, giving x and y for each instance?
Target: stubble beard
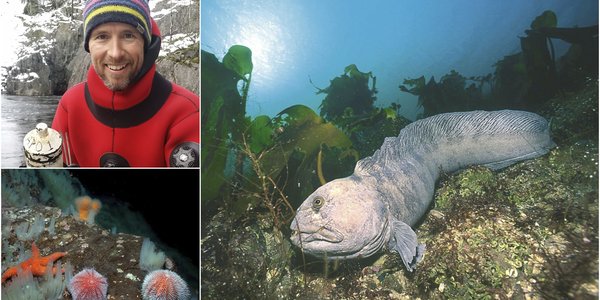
(118, 86)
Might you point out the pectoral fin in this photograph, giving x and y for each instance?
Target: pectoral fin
(404, 241)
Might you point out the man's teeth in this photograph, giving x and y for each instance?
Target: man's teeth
(116, 68)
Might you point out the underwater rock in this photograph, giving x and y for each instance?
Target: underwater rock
(527, 232)
(244, 258)
(115, 256)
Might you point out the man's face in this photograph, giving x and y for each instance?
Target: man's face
(117, 51)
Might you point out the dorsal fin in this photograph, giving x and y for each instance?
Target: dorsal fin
(424, 135)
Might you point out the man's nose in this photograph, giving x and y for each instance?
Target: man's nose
(115, 50)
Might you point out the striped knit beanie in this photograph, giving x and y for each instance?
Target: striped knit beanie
(133, 12)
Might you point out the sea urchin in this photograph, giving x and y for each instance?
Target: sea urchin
(164, 285)
(88, 285)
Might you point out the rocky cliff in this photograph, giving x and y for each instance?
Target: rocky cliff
(53, 59)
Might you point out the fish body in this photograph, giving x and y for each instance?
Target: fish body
(389, 192)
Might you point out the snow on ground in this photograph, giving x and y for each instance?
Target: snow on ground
(158, 14)
(171, 43)
(28, 77)
(174, 42)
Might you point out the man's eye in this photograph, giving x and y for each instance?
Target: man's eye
(129, 35)
(101, 37)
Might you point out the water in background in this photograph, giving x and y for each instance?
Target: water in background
(296, 42)
(20, 114)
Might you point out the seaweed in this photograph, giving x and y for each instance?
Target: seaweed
(284, 151)
(349, 105)
(524, 80)
(448, 95)
(348, 92)
(259, 163)
(223, 114)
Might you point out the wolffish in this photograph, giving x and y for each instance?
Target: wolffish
(389, 192)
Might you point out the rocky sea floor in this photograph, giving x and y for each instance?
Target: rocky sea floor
(529, 231)
(115, 256)
(36, 207)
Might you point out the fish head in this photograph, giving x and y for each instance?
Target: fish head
(342, 219)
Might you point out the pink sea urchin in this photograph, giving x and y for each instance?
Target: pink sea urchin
(88, 285)
(164, 285)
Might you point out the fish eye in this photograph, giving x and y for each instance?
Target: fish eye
(318, 202)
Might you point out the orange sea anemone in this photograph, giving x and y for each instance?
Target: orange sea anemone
(87, 207)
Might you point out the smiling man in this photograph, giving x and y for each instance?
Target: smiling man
(126, 114)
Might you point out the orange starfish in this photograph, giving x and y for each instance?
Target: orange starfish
(35, 264)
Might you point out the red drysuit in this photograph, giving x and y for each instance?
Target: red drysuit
(153, 123)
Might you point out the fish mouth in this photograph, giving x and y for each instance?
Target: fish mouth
(313, 233)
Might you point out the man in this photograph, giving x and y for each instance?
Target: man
(126, 114)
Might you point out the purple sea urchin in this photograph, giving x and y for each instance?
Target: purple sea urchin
(164, 285)
(88, 285)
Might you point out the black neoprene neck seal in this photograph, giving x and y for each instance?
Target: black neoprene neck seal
(150, 56)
